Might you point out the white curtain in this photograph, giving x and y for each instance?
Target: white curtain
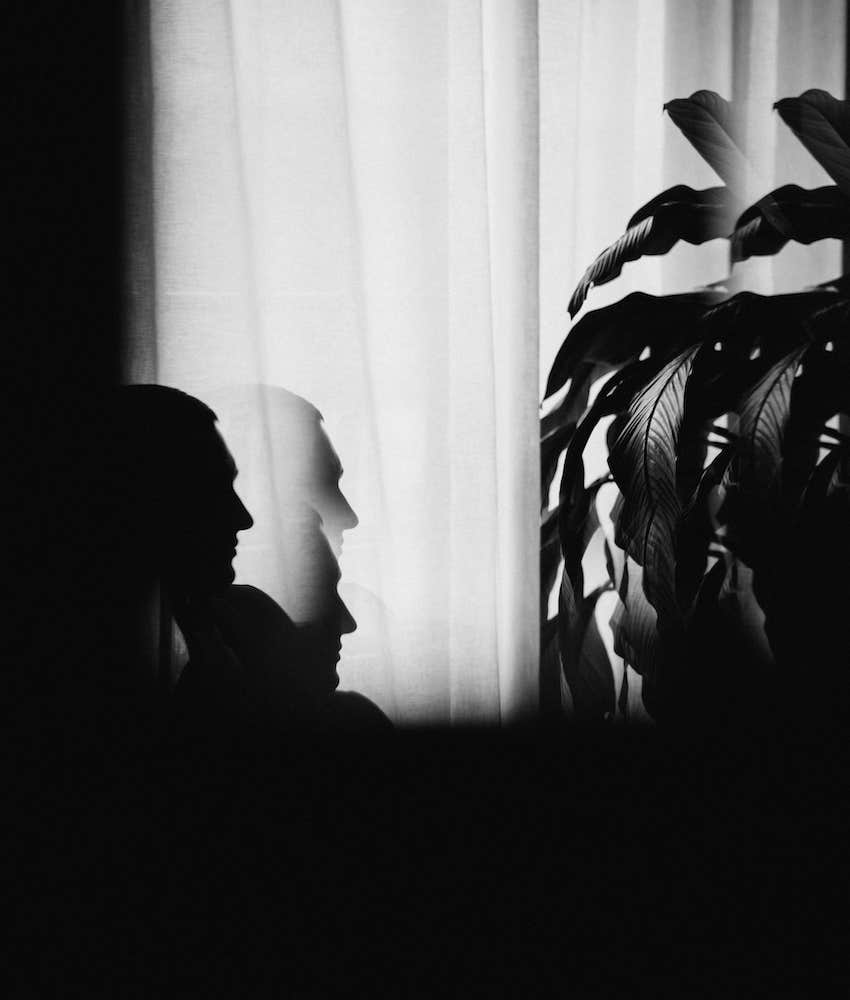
(382, 205)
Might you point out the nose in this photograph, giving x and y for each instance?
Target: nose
(243, 515)
(347, 624)
(347, 518)
(352, 520)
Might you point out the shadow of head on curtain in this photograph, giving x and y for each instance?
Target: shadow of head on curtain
(285, 456)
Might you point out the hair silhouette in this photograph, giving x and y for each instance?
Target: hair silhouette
(172, 480)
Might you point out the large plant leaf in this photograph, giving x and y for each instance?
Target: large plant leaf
(680, 213)
(694, 216)
(751, 506)
(822, 124)
(808, 216)
(572, 609)
(634, 623)
(587, 669)
(550, 561)
(636, 242)
(709, 123)
(820, 391)
(613, 398)
(762, 416)
(643, 463)
(741, 605)
(823, 483)
(696, 530)
(575, 508)
(578, 515)
(550, 668)
(721, 372)
(557, 427)
(742, 337)
(609, 337)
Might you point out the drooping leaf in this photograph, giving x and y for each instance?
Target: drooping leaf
(680, 213)
(822, 124)
(634, 243)
(615, 558)
(808, 216)
(557, 427)
(577, 527)
(823, 482)
(634, 623)
(696, 530)
(691, 215)
(609, 337)
(697, 689)
(751, 508)
(643, 463)
(720, 373)
(587, 669)
(550, 668)
(709, 123)
(739, 603)
(762, 415)
(615, 428)
(575, 510)
(578, 517)
(703, 612)
(550, 561)
(716, 685)
(613, 398)
(821, 391)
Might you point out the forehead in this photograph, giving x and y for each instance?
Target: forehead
(210, 457)
(327, 459)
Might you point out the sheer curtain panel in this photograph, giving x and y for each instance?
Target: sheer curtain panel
(342, 200)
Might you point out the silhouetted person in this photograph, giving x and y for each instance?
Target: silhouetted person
(114, 805)
(176, 518)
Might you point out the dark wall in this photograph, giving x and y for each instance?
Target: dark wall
(64, 163)
(62, 230)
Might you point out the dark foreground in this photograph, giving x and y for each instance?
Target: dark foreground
(433, 863)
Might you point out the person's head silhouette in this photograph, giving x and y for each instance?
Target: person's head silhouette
(295, 464)
(174, 480)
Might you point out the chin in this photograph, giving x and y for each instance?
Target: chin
(214, 583)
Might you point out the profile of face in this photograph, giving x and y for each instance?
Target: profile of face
(321, 618)
(324, 492)
(204, 519)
